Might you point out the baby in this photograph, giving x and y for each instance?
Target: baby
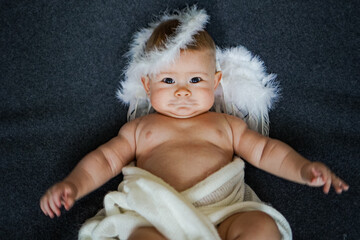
(183, 143)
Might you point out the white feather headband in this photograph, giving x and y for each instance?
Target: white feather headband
(191, 21)
(247, 91)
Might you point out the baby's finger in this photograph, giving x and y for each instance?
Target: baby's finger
(57, 201)
(70, 203)
(345, 186)
(336, 183)
(327, 185)
(338, 188)
(339, 185)
(47, 209)
(53, 207)
(67, 201)
(42, 206)
(67, 205)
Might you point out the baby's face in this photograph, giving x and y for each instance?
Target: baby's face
(185, 88)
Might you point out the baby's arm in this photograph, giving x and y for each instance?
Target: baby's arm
(95, 169)
(280, 159)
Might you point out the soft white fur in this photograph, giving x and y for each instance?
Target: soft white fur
(248, 91)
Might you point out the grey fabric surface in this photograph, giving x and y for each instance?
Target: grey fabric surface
(61, 63)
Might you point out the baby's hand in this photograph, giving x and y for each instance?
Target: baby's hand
(61, 194)
(318, 174)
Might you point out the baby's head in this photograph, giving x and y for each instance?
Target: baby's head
(186, 87)
(167, 29)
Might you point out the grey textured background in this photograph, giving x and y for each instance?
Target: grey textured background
(61, 63)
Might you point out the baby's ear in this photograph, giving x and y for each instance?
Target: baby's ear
(218, 76)
(146, 83)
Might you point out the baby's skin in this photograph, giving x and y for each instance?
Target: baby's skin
(183, 142)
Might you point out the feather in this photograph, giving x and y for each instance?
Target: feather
(249, 92)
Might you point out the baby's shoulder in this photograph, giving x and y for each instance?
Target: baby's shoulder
(235, 123)
(138, 123)
(130, 127)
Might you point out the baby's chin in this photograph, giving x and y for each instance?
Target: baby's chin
(183, 114)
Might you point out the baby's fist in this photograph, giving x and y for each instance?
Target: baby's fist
(318, 174)
(61, 194)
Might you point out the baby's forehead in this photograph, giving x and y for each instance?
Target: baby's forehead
(193, 58)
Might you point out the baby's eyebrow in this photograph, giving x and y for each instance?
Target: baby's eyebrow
(190, 73)
(201, 73)
(166, 73)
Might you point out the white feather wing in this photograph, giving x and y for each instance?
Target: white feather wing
(249, 92)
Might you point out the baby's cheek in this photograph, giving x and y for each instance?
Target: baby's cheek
(154, 102)
(209, 98)
(157, 102)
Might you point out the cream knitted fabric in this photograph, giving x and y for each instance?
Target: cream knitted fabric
(146, 200)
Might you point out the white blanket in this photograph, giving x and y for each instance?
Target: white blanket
(143, 199)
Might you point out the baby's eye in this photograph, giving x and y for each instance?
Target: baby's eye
(195, 80)
(168, 80)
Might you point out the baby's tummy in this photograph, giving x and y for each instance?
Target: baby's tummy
(184, 166)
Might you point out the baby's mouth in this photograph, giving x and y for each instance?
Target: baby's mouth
(183, 103)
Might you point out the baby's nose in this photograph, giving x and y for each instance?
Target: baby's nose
(183, 92)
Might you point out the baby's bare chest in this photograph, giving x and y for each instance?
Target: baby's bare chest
(195, 131)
